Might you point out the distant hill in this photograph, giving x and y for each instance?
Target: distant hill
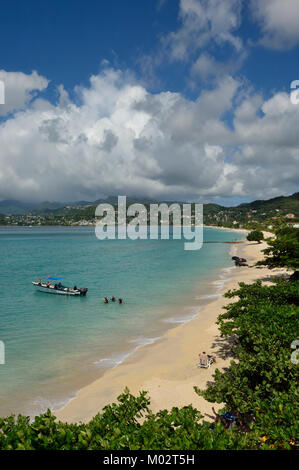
(14, 207)
(289, 203)
(259, 212)
(253, 211)
(11, 206)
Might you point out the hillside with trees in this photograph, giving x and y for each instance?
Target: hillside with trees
(256, 215)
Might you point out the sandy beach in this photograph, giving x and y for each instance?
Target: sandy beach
(168, 369)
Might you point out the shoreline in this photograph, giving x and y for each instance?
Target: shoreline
(173, 320)
(167, 368)
(173, 317)
(240, 230)
(232, 229)
(197, 287)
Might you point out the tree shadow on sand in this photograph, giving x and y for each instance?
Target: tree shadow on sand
(223, 347)
(272, 277)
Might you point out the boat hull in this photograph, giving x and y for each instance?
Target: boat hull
(52, 290)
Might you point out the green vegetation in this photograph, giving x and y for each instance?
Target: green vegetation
(119, 428)
(260, 386)
(256, 215)
(255, 236)
(283, 250)
(261, 383)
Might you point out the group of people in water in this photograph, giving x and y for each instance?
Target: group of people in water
(113, 299)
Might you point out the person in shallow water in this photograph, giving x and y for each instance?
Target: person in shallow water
(106, 301)
(120, 301)
(113, 299)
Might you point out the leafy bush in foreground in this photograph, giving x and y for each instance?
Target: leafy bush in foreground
(119, 428)
(262, 384)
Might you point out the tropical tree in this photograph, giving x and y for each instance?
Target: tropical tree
(255, 236)
(283, 251)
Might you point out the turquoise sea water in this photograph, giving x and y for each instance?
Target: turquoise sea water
(54, 344)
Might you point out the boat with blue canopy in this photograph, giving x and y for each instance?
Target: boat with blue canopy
(57, 287)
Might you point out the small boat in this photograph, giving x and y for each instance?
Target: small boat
(59, 289)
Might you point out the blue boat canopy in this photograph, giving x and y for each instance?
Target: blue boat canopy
(54, 278)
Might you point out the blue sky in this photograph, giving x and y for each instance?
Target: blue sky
(171, 59)
(67, 40)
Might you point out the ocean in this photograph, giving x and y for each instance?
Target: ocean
(55, 345)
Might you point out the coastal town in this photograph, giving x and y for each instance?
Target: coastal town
(256, 215)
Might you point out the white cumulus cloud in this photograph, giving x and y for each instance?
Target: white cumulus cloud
(117, 138)
(20, 88)
(279, 21)
(203, 22)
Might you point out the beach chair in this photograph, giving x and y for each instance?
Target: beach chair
(207, 365)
